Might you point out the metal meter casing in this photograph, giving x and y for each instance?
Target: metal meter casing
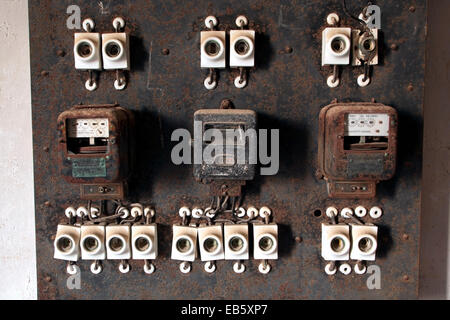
(101, 170)
(228, 119)
(353, 172)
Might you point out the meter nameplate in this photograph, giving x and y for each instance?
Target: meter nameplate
(89, 168)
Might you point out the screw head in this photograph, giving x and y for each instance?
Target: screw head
(298, 239)
(394, 46)
(226, 104)
(405, 278)
(165, 51)
(410, 88)
(412, 9)
(288, 49)
(44, 73)
(48, 279)
(60, 53)
(405, 237)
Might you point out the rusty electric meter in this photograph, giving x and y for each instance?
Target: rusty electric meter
(95, 147)
(357, 148)
(226, 139)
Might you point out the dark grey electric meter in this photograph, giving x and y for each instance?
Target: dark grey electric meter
(227, 142)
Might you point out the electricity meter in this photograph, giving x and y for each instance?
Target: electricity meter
(226, 143)
(357, 148)
(95, 148)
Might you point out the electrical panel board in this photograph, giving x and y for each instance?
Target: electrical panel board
(327, 208)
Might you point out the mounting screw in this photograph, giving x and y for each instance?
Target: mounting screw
(46, 149)
(60, 53)
(47, 204)
(410, 88)
(165, 51)
(44, 73)
(405, 278)
(412, 9)
(298, 239)
(48, 279)
(288, 49)
(226, 104)
(405, 237)
(394, 47)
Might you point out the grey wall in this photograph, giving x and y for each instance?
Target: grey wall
(17, 252)
(435, 243)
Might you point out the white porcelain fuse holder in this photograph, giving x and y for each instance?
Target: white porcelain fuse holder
(184, 244)
(335, 242)
(336, 50)
(242, 50)
(87, 52)
(93, 246)
(144, 241)
(236, 242)
(212, 51)
(364, 242)
(265, 241)
(336, 46)
(67, 243)
(210, 240)
(118, 242)
(93, 242)
(116, 51)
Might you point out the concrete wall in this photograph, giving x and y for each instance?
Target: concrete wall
(17, 250)
(17, 236)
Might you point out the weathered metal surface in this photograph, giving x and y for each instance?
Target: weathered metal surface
(287, 89)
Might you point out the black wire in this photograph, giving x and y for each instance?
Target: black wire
(363, 24)
(233, 203)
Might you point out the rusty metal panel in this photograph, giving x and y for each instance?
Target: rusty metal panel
(287, 89)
